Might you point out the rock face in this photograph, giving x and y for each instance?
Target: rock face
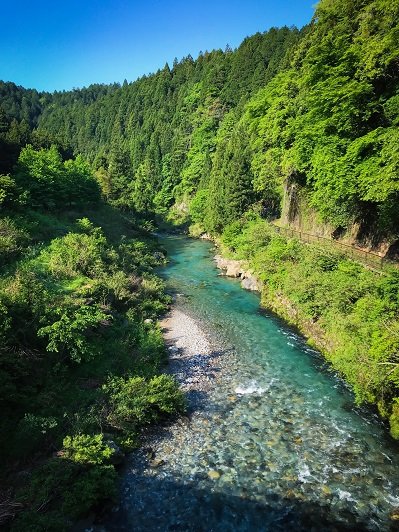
(236, 268)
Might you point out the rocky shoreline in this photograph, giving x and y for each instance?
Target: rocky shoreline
(193, 359)
(238, 269)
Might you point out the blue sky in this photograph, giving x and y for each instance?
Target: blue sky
(64, 44)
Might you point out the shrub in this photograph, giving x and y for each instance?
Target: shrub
(65, 490)
(32, 434)
(9, 192)
(394, 419)
(134, 402)
(12, 239)
(76, 253)
(85, 449)
(70, 332)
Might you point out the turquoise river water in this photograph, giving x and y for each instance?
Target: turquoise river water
(277, 444)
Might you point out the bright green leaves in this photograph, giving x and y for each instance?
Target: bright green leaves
(198, 206)
(374, 160)
(69, 333)
(324, 123)
(87, 449)
(52, 183)
(10, 195)
(135, 401)
(377, 38)
(205, 121)
(76, 253)
(143, 187)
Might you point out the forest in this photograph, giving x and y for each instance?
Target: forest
(215, 144)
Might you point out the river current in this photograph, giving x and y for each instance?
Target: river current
(277, 444)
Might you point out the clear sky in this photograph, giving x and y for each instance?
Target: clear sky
(61, 44)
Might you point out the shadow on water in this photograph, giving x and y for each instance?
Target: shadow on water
(165, 504)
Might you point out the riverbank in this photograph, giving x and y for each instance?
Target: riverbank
(80, 363)
(346, 311)
(192, 358)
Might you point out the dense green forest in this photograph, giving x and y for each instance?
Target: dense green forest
(81, 353)
(213, 142)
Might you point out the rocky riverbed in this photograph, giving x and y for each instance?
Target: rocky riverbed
(192, 359)
(197, 362)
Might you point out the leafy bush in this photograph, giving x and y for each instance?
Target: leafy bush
(86, 449)
(134, 402)
(52, 183)
(64, 490)
(10, 194)
(76, 253)
(150, 350)
(394, 419)
(5, 322)
(12, 240)
(70, 332)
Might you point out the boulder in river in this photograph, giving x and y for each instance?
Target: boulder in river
(231, 267)
(156, 462)
(235, 268)
(251, 283)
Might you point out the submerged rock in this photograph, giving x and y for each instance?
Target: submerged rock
(213, 474)
(157, 462)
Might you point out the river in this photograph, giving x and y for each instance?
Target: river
(275, 444)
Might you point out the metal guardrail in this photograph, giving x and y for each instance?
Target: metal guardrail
(369, 258)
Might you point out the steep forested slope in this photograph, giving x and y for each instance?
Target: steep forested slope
(317, 109)
(326, 121)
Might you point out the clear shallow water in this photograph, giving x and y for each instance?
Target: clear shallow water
(277, 443)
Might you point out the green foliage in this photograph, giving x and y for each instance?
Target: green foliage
(87, 449)
(348, 311)
(53, 184)
(70, 332)
(12, 240)
(328, 121)
(135, 401)
(76, 253)
(72, 313)
(63, 490)
(220, 140)
(394, 419)
(9, 192)
(198, 206)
